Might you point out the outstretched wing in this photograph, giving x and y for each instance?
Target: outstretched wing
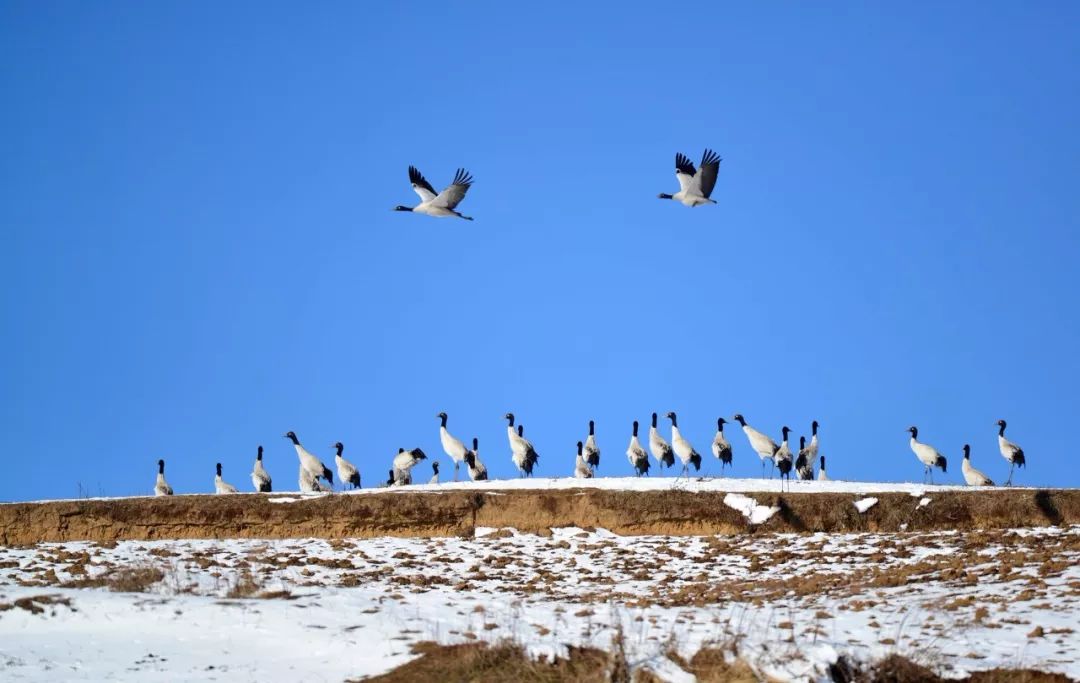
(452, 195)
(420, 185)
(705, 180)
(684, 171)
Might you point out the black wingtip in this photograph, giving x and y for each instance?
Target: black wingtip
(710, 157)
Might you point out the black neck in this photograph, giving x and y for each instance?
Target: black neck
(443, 419)
(1001, 430)
(591, 428)
(674, 420)
(161, 467)
(635, 428)
(654, 420)
(720, 426)
(259, 456)
(340, 448)
(292, 437)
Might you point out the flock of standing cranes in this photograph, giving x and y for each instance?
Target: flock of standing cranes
(313, 472)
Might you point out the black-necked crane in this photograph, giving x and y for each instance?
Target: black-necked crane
(764, 446)
(477, 470)
(683, 448)
(661, 449)
(453, 447)
(522, 451)
(972, 476)
(592, 451)
(347, 472)
(220, 486)
(161, 487)
(721, 447)
(309, 462)
(435, 472)
(443, 204)
(637, 456)
(404, 461)
(581, 467)
(783, 458)
(260, 478)
(927, 455)
(695, 185)
(804, 461)
(1010, 451)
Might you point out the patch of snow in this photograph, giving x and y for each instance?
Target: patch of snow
(865, 504)
(755, 513)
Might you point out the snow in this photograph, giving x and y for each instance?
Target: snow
(754, 513)
(349, 608)
(701, 485)
(865, 504)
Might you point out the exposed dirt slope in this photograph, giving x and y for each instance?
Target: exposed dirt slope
(450, 513)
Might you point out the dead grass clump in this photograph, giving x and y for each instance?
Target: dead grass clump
(36, 604)
(123, 580)
(134, 580)
(711, 666)
(897, 669)
(1017, 676)
(244, 586)
(505, 662)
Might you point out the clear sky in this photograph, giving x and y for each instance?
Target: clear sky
(200, 253)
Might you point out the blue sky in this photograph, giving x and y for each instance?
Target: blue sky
(195, 202)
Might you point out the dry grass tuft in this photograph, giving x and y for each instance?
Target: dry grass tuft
(502, 663)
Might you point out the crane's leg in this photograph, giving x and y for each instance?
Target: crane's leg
(456, 465)
(1011, 466)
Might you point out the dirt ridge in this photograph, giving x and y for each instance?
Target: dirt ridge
(458, 513)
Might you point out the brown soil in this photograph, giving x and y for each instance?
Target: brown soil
(453, 513)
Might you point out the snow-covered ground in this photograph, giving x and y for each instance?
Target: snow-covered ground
(703, 484)
(332, 610)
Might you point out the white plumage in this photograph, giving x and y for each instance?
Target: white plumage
(661, 450)
(477, 470)
(695, 185)
(220, 486)
(764, 446)
(592, 451)
(347, 472)
(682, 447)
(927, 454)
(637, 456)
(260, 478)
(404, 461)
(972, 476)
(453, 448)
(309, 462)
(812, 449)
(1010, 451)
(581, 467)
(522, 451)
(308, 482)
(440, 205)
(721, 447)
(161, 487)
